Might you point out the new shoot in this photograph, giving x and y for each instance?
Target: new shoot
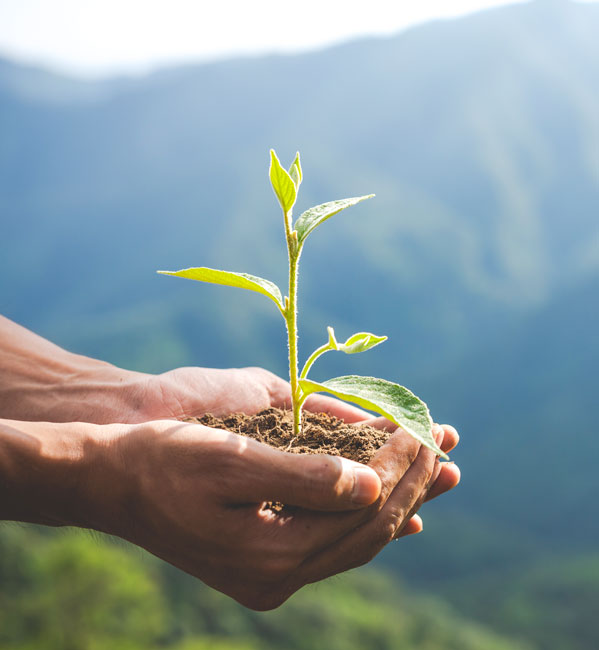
(391, 400)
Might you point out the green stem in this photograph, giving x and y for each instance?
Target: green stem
(303, 397)
(291, 322)
(312, 358)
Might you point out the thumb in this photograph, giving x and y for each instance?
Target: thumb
(312, 481)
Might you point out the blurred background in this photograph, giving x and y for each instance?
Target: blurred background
(135, 137)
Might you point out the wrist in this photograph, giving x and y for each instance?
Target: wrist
(94, 391)
(59, 474)
(75, 388)
(40, 381)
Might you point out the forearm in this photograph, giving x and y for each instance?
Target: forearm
(40, 381)
(57, 474)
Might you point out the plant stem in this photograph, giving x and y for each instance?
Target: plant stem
(291, 321)
(312, 358)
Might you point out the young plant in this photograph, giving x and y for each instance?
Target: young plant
(391, 400)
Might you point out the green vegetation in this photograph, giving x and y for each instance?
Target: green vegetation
(387, 398)
(74, 591)
(551, 601)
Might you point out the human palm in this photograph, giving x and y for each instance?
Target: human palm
(192, 391)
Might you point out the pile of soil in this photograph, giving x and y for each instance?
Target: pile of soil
(321, 433)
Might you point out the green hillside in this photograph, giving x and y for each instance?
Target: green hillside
(78, 591)
(479, 258)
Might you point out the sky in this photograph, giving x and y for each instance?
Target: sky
(101, 37)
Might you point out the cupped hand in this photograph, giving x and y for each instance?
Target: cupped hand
(197, 497)
(194, 391)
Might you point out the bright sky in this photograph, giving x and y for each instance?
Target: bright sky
(100, 37)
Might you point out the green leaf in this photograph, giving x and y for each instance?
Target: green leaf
(295, 171)
(393, 401)
(333, 344)
(359, 342)
(313, 217)
(282, 183)
(227, 278)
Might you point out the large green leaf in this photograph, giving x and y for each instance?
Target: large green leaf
(393, 401)
(313, 217)
(227, 278)
(282, 183)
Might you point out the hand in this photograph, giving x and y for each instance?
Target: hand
(195, 497)
(445, 477)
(40, 381)
(144, 496)
(187, 392)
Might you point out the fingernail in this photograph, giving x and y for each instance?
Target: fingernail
(367, 486)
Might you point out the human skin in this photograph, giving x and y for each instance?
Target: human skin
(191, 495)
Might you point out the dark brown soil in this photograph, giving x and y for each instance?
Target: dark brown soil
(321, 433)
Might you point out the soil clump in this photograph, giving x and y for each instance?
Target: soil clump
(321, 433)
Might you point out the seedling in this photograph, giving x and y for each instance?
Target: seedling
(391, 400)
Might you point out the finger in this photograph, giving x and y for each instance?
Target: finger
(317, 403)
(450, 436)
(422, 497)
(445, 478)
(448, 478)
(362, 544)
(381, 423)
(393, 459)
(413, 526)
(405, 500)
(315, 482)
(321, 482)
(390, 463)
